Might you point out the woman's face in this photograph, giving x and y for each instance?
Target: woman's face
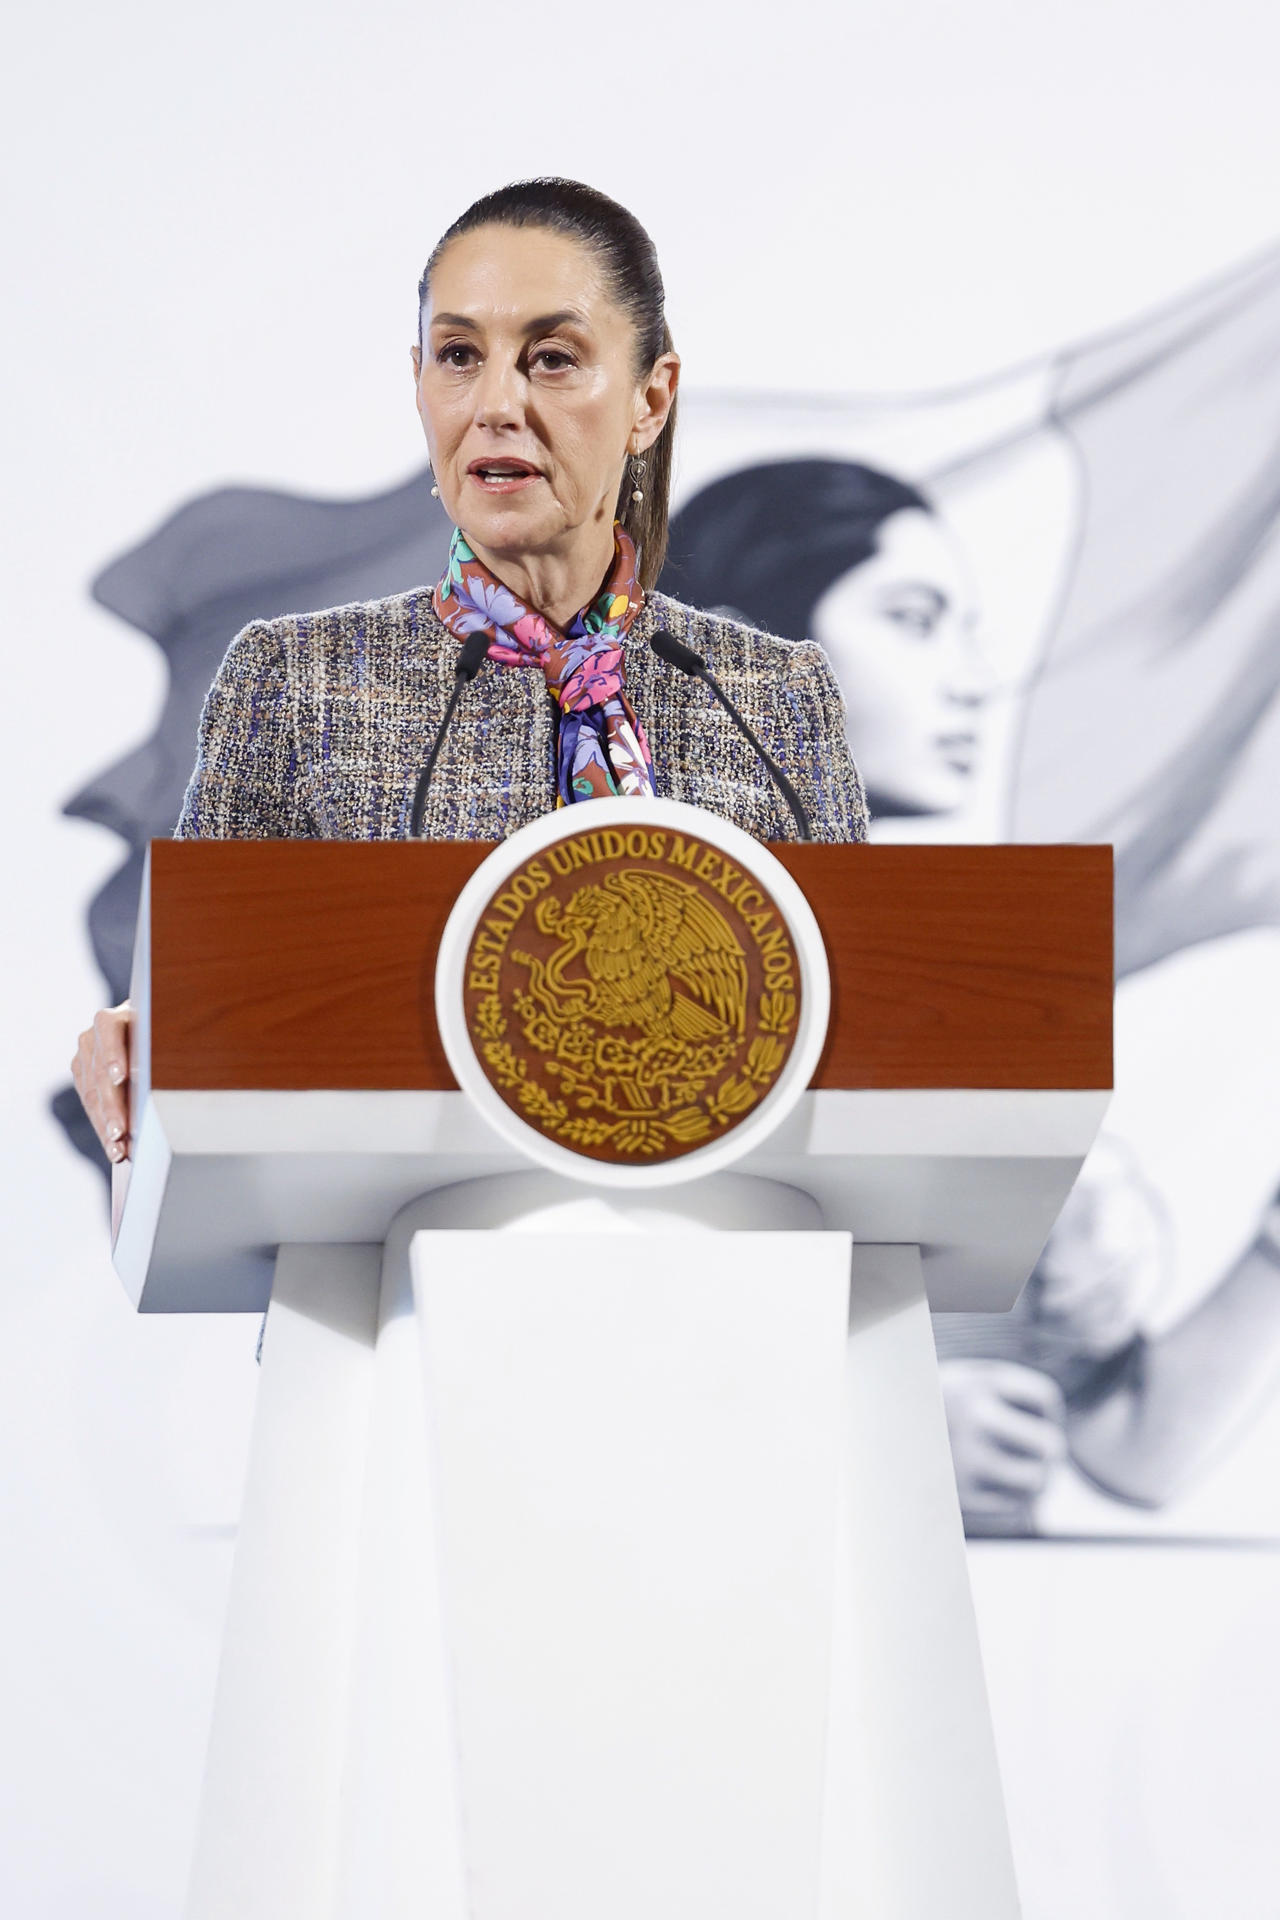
(898, 631)
(528, 393)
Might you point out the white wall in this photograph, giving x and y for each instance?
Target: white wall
(219, 219)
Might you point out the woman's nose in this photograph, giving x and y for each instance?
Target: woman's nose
(499, 394)
(971, 676)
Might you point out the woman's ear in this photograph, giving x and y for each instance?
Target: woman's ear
(415, 356)
(656, 399)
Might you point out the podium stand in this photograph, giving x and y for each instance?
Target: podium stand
(600, 1553)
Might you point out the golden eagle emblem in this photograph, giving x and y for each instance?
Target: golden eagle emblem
(647, 951)
(619, 1017)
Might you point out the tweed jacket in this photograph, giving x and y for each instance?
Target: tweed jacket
(317, 726)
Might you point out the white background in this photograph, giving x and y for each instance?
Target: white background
(217, 221)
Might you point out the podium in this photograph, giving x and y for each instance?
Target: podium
(600, 1552)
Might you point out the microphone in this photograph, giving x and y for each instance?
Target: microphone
(469, 662)
(676, 654)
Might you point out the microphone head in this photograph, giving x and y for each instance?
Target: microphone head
(471, 655)
(675, 653)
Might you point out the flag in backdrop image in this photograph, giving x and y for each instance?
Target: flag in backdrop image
(1052, 600)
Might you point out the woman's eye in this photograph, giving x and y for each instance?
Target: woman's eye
(455, 354)
(914, 619)
(554, 359)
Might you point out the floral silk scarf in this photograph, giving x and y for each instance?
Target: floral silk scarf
(602, 746)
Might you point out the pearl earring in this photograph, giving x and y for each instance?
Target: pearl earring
(435, 491)
(637, 474)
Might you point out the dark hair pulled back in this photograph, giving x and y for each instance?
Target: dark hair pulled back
(768, 541)
(630, 263)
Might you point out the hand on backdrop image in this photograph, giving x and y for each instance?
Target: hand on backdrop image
(1011, 1380)
(1071, 1377)
(1105, 1259)
(1007, 1424)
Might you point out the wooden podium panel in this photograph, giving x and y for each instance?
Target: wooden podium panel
(310, 964)
(289, 1083)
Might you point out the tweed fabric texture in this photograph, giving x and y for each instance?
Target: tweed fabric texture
(317, 725)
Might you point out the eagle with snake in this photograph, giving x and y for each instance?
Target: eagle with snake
(644, 950)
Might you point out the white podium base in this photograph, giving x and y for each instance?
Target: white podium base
(596, 1562)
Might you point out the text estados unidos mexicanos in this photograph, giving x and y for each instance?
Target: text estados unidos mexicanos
(505, 910)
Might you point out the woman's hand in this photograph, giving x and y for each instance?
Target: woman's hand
(1108, 1254)
(101, 1074)
(1006, 1426)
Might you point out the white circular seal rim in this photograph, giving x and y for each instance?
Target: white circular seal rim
(749, 854)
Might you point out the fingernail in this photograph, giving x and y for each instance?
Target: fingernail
(115, 1073)
(114, 1130)
(115, 1151)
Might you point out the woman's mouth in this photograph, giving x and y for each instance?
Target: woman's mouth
(958, 750)
(502, 476)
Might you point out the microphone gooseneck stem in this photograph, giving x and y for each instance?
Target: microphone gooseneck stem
(685, 660)
(781, 781)
(470, 660)
(424, 778)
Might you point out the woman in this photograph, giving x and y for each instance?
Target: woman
(840, 553)
(545, 380)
